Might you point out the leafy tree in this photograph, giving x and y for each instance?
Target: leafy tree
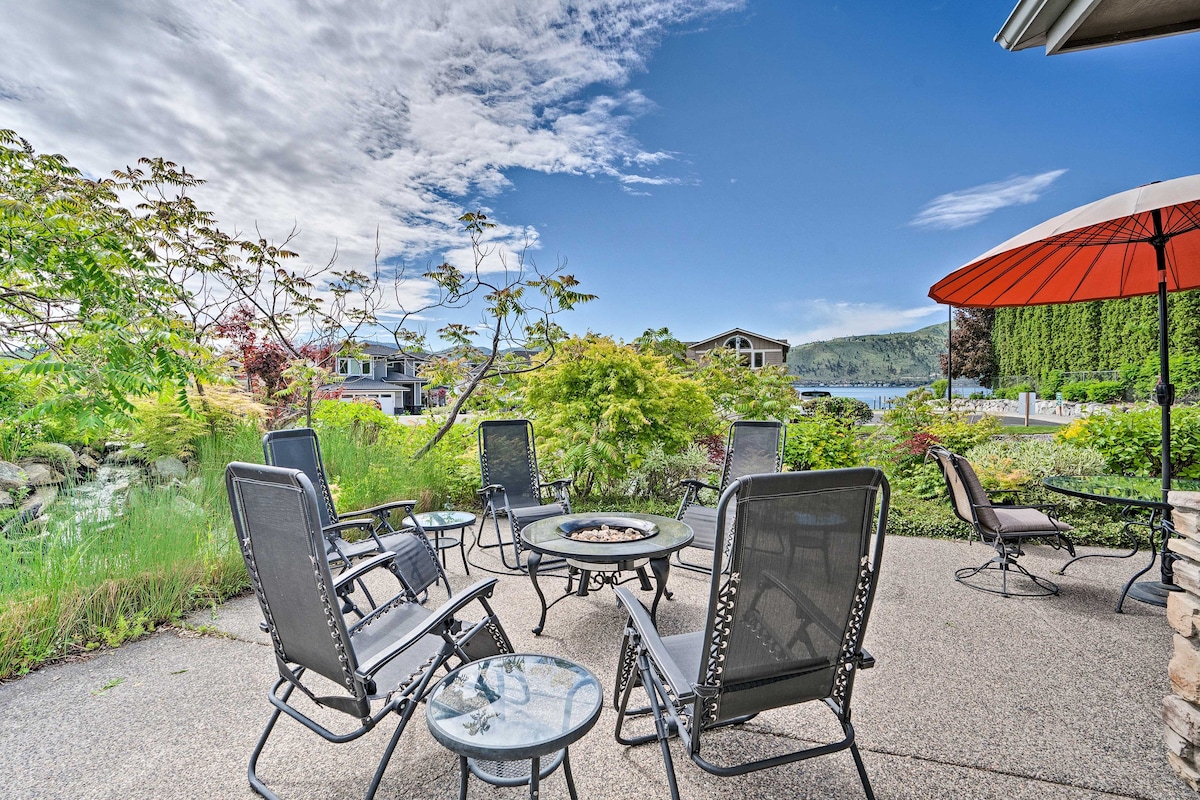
(663, 343)
(600, 407)
(517, 321)
(78, 291)
(739, 392)
(971, 344)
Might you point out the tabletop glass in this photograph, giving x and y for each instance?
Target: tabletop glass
(510, 707)
(1118, 489)
(435, 520)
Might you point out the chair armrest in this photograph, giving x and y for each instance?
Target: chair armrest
(639, 618)
(438, 619)
(362, 568)
(865, 659)
(696, 486)
(381, 510)
(347, 524)
(490, 491)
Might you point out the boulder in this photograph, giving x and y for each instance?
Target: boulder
(12, 476)
(40, 474)
(87, 463)
(6, 499)
(37, 502)
(169, 468)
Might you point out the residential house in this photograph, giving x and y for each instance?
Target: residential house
(385, 374)
(756, 350)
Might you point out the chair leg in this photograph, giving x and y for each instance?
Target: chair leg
(256, 783)
(862, 771)
(1004, 561)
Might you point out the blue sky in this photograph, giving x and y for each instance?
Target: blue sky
(801, 169)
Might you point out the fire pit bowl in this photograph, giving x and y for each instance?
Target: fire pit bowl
(607, 529)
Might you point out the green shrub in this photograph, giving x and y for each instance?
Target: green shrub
(365, 419)
(1093, 391)
(659, 473)
(850, 409)
(1017, 464)
(1141, 378)
(1131, 440)
(59, 455)
(820, 442)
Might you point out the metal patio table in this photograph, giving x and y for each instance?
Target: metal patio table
(503, 714)
(1142, 506)
(592, 565)
(436, 523)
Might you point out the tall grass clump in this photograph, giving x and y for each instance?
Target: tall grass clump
(82, 583)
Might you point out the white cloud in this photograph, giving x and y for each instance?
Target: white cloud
(342, 118)
(818, 320)
(969, 206)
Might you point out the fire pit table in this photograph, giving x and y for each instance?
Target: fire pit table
(598, 547)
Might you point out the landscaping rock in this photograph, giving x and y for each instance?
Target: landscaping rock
(186, 507)
(127, 456)
(169, 468)
(87, 463)
(1181, 709)
(40, 474)
(12, 476)
(39, 501)
(6, 499)
(56, 454)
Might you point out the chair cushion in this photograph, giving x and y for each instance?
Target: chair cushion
(1026, 520)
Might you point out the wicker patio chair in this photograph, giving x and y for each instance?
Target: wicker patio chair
(512, 485)
(752, 447)
(779, 631)
(370, 668)
(1004, 527)
(390, 527)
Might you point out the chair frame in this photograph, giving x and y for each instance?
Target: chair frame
(495, 499)
(686, 705)
(358, 679)
(692, 488)
(1007, 545)
(375, 522)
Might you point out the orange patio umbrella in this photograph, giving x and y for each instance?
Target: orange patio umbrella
(1140, 242)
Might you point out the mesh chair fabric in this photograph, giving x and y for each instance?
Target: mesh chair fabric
(507, 458)
(753, 449)
(289, 571)
(298, 448)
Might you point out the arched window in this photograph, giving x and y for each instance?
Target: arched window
(744, 349)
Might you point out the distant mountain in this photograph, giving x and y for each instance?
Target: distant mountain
(898, 359)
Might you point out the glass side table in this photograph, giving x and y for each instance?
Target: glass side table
(435, 523)
(502, 715)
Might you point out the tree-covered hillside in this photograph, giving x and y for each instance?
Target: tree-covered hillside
(889, 358)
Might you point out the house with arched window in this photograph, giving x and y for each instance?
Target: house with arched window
(756, 350)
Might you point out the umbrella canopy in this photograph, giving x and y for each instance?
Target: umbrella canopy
(1139, 242)
(1101, 251)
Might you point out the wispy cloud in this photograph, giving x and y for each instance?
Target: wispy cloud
(969, 206)
(817, 320)
(344, 119)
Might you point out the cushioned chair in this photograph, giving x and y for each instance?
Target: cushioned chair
(1004, 527)
(371, 668)
(780, 630)
(389, 527)
(512, 485)
(752, 447)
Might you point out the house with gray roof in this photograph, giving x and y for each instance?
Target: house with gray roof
(755, 349)
(384, 374)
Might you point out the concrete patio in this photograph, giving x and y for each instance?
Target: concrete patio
(975, 696)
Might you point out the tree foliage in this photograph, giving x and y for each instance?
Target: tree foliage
(972, 354)
(600, 407)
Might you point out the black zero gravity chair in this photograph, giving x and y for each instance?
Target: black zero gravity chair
(388, 527)
(1004, 527)
(779, 631)
(752, 447)
(512, 485)
(369, 668)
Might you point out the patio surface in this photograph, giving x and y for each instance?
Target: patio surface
(975, 696)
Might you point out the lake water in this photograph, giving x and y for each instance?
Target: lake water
(881, 396)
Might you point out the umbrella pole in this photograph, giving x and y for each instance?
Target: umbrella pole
(1164, 392)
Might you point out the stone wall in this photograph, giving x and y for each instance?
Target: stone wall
(1181, 708)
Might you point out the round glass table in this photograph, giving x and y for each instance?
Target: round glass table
(1143, 506)
(594, 564)
(437, 522)
(502, 715)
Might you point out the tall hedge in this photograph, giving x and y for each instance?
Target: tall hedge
(1081, 337)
